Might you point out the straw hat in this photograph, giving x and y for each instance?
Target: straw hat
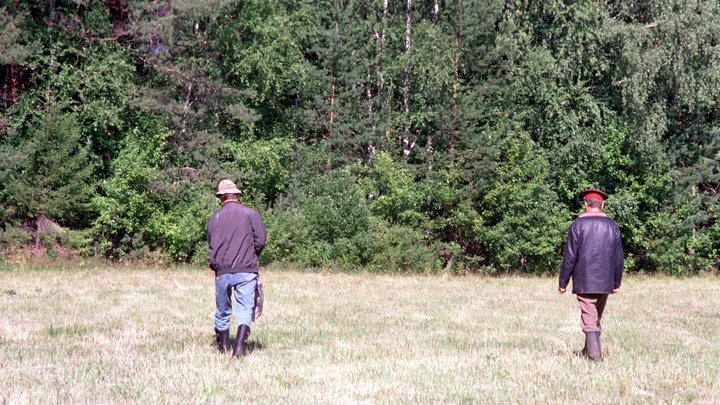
(227, 187)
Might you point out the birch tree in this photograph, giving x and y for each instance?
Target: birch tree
(407, 143)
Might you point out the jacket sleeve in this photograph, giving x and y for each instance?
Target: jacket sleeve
(259, 232)
(619, 260)
(211, 248)
(569, 258)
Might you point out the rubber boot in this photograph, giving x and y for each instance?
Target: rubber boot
(594, 351)
(222, 340)
(242, 334)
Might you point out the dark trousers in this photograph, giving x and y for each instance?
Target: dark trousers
(591, 310)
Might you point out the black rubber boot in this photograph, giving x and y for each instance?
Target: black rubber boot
(222, 340)
(594, 351)
(242, 334)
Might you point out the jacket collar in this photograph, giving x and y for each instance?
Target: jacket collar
(593, 214)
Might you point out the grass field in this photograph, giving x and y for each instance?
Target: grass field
(83, 334)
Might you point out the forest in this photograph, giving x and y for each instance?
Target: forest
(387, 135)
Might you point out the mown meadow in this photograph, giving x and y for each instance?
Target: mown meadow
(94, 333)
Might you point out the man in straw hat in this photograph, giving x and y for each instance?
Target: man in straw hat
(236, 236)
(594, 260)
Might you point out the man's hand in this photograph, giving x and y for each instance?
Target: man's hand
(616, 289)
(561, 290)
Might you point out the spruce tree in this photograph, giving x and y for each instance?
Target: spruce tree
(51, 173)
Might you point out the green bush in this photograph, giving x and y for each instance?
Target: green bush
(395, 195)
(287, 235)
(180, 230)
(14, 236)
(335, 207)
(453, 223)
(401, 248)
(81, 242)
(144, 209)
(328, 225)
(127, 206)
(525, 223)
(262, 166)
(676, 242)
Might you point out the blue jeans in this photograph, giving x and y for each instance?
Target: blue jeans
(244, 286)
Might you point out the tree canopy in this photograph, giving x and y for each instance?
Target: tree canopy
(414, 135)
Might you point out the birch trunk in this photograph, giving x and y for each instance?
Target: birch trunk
(408, 46)
(407, 145)
(387, 95)
(328, 164)
(429, 143)
(186, 109)
(5, 90)
(14, 83)
(51, 10)
(381, 39)
(456, 86)
(371, 118)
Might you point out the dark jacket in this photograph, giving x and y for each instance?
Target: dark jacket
(593, 256)
(236, 236)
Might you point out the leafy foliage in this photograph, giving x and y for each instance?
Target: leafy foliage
(414, 136)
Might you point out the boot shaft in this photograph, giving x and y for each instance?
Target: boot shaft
(592, 341)
(222, 341)
(240, 342)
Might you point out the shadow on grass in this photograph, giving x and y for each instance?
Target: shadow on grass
(251, 346)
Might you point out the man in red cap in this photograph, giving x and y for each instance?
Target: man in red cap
(236, 236)
(594, 259)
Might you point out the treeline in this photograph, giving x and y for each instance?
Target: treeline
(414, 135)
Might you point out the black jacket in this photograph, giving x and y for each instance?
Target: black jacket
(593, 256)
(236, 236)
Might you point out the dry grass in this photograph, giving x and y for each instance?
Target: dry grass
(129, 335)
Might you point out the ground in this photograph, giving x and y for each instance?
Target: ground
(88, 333)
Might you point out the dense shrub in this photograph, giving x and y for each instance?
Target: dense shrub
(127, 206)
(356, 219)
(676, 243)
(395, 194)
(326, 226)
(144, 208)
(401, 248)
(261, 166)
(525, 224)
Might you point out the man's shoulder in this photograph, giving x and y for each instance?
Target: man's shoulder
(588, 219)
(214, 216)
(249, 210)
(240, 208)
(217, 211)
(232, 208)
(224, 209)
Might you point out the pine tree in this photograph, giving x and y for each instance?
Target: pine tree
(51, 174)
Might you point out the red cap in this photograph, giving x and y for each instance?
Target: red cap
(594, 193)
